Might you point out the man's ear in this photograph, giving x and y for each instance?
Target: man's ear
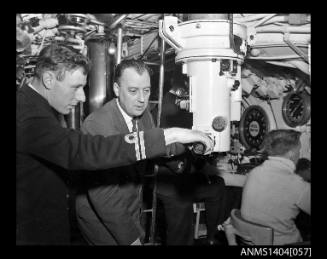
(48, 79)
(116, 89)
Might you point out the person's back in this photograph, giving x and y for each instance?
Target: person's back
(273, 195)
(270, 196)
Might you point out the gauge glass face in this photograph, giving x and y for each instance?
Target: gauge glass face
(296, 109)
(253, 127)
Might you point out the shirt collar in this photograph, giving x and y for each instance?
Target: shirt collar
(126, 117)
(31, 86)
(285, 161)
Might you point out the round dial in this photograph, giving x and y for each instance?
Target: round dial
(296, 109)
(254, 125)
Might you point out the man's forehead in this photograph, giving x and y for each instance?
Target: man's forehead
(131, 71)
(132, 76)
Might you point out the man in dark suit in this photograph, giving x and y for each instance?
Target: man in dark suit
(45, 151)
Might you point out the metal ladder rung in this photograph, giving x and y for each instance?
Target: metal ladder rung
(147, 210)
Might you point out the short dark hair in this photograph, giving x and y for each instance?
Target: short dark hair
(279, 142)
(303, 164)
(59, 57)
(137, 64)
(179, 79)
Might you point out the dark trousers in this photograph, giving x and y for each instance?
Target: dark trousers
(178, 208)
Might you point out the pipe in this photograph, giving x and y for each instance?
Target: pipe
(231, 33)
(73, 118)
(97, 77)
(275, 57)
(278, 29)
(295, 48)
(161, 79)
(119, 44)
(262, 21)
(117, 21)
(147, 49)
(154, 193)
(250, 18)
(151, 63)
(207, 16)
(301, 65)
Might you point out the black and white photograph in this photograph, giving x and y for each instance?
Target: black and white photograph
(164, 129)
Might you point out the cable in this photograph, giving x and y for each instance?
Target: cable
(264, 20)
(231, 33)
(149, 46)
(272, 111)
(42, 42)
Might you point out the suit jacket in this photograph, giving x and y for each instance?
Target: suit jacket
(115, 197)
(45, 151)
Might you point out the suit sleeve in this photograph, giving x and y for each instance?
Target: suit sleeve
(43, 137)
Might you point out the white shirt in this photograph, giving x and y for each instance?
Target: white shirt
(273, 195)
(128, 119)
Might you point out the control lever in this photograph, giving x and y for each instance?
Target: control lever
(198, 148)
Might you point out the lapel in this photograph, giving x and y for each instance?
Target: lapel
(119, 121)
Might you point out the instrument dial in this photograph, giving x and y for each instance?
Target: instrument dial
(296, 109)
(254, 125)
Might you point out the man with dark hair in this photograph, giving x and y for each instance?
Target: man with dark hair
(45, 150)
(274, 194)
(303, 169)
(303, 220)
(108, 212)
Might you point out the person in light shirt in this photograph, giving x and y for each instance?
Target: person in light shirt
(273, 194)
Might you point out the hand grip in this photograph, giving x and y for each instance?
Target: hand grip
(199, 148)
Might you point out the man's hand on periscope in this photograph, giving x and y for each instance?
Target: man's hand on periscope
(187, 136)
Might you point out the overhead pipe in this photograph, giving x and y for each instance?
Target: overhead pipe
(283, 29)
(295, 48)
(207, 16)
(147, 49)
(301, 65)
(117, 21)
(262, 21)
(251, 18)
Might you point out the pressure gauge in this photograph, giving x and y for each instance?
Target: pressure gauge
(254, 125)
(296, 109)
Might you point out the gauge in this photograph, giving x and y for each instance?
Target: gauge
(254, 125)
(296, 109)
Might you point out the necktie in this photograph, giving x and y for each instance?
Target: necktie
(134, 128)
